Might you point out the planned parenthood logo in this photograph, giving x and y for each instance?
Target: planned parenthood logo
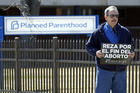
(14, 25)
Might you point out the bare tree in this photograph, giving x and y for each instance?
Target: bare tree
(29, 7)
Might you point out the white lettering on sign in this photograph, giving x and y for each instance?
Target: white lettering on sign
(110, 46)
(124, 46)
(119, 51)
(116, 56)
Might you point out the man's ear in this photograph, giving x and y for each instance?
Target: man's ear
(105, 17)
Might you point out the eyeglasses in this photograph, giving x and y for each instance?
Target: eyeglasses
(114, 15)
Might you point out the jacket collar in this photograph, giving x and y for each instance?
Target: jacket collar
(116, 28)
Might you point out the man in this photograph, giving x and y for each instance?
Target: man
(109, 77)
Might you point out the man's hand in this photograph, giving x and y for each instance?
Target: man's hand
(131, 55)
(99, 54)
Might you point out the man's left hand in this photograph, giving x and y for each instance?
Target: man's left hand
(131, 55)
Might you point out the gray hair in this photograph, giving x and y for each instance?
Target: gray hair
(109, 9)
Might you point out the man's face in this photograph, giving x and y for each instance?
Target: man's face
(112, 18)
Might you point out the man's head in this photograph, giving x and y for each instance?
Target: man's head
(111, 15)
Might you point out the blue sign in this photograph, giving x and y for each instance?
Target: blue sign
(1, 28)
(1, 39)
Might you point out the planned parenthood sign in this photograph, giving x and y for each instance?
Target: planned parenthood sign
(50, 25)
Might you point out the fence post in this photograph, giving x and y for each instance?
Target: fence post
(17, 70)
(54, 89)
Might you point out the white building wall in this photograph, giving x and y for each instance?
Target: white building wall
(78, 2)
(124, 2)
(8, 2)
(74, 2)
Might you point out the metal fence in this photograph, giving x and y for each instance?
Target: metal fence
(54, 66)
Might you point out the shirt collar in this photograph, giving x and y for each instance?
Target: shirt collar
(107, 27)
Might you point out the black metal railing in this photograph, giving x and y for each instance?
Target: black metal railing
(55, 66)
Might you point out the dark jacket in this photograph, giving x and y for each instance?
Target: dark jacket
(98, 37)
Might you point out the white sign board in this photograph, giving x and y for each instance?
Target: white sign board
(50, 25)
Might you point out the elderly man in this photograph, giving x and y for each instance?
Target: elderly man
(109, 77)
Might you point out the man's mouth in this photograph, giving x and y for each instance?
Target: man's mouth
(113, 20)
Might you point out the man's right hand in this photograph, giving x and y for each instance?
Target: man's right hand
(99, 54)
